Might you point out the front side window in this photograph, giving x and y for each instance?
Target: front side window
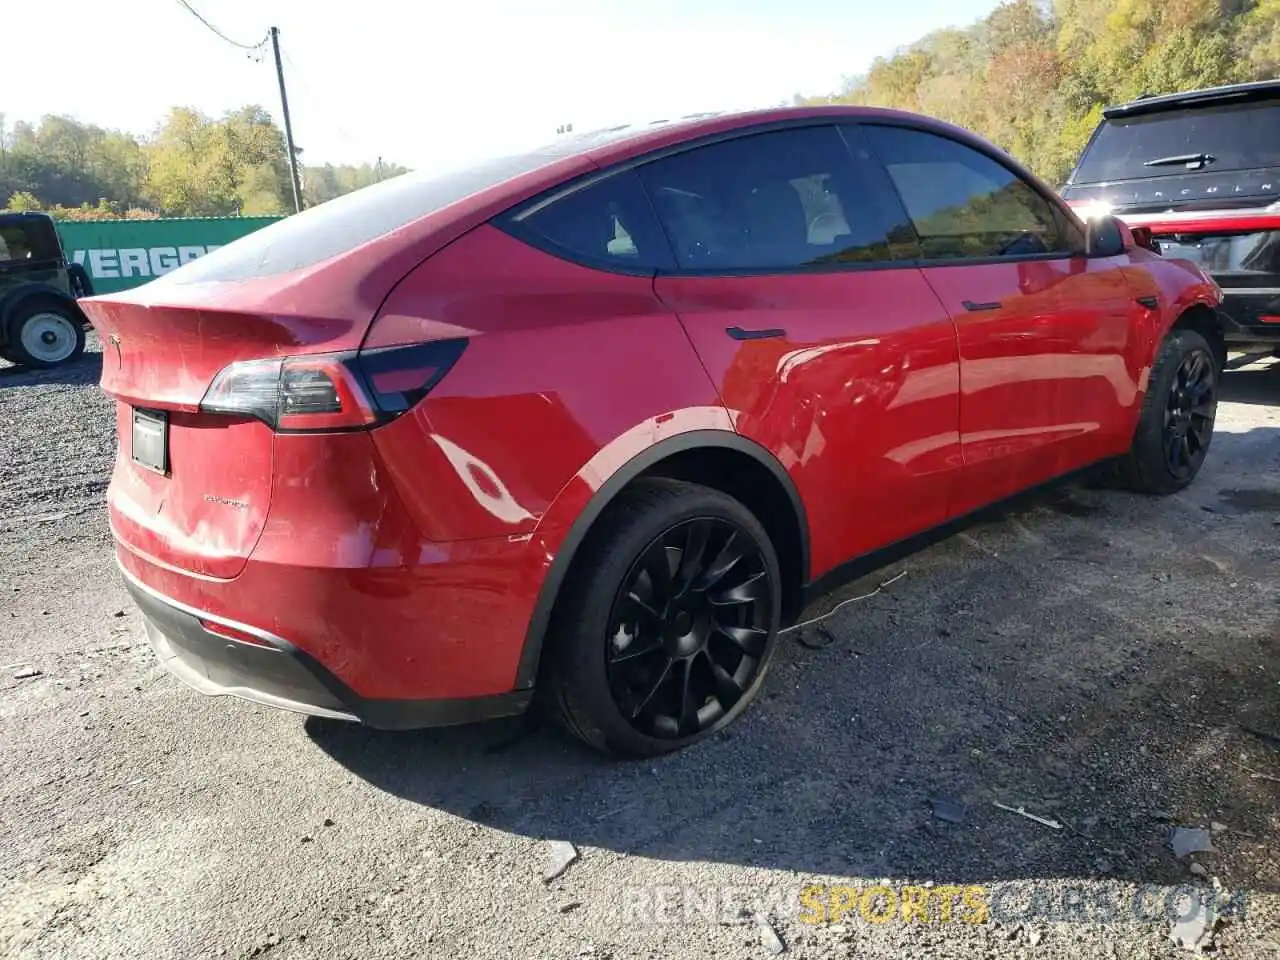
(766, 202)
(607, 222)
(965, 204)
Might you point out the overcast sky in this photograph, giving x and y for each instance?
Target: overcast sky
(433, 84)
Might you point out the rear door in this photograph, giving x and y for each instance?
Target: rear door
(1045, 333)
(796, 284)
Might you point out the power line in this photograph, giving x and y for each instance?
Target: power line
(243, 46)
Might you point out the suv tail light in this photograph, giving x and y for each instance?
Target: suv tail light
(1143, 237)
(331, 391)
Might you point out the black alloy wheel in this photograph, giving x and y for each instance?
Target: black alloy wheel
(663, 631)
(689, 628)
(1189, 414)
(1175, 424)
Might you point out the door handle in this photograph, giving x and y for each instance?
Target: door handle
(767, 333)
(1151, 303)
(974, 307)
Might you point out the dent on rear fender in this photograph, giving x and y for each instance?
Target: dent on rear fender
(334, 506)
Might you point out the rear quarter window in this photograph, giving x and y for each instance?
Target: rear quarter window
(604, 222)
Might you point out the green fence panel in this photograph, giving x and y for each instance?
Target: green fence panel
(119, 254)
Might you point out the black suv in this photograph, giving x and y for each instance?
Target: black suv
(1201, 171)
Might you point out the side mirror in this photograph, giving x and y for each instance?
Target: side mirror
(1104, 237)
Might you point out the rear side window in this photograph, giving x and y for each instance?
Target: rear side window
(606, 222)
(1241, 136)
(770, 201)
(965, 204)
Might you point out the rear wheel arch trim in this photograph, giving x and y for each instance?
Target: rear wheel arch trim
(1205, 320)
(553, 582)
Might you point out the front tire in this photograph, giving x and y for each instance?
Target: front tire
(1175, 426)
(44, 333)
(667, 623)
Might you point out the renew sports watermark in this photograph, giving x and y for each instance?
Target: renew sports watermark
(973, 904)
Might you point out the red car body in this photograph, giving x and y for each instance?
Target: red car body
(402, 569)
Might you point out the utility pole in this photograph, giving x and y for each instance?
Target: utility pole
(288, 126)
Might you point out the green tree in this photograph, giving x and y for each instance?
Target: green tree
(324, 183)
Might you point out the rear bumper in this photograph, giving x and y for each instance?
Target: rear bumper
(1240, 319)
(276, 673)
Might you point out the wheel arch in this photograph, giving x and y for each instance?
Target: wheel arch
(720, 459)
(1205, 321)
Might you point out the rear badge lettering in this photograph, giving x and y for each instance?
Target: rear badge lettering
(226, 501)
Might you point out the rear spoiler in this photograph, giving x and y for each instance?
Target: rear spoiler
(1235, 93)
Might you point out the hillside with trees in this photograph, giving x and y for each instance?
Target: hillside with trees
(1035, 75)
(192, 166)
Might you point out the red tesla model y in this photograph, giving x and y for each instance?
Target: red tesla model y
(602, 418)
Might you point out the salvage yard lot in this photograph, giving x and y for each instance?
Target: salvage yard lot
(1112, 662)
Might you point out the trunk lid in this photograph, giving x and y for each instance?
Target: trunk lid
(162, 347)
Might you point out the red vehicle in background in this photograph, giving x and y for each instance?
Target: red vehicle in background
(1200, 173)
(602, 418)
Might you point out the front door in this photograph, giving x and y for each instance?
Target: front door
(825, 349)
(1044, 332)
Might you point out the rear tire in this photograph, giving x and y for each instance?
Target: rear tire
(1175, 426)
(667, 623)
(45, 332)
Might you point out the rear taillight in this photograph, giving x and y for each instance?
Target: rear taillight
(331, 391)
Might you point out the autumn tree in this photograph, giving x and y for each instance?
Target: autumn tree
(1034, 75)
(192, 165)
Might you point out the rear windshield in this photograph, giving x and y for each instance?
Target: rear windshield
(346, 222)
(1241, 136)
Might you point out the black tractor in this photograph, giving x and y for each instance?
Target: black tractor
(40, 323)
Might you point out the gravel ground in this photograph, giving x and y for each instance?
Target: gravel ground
(1108, 661)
